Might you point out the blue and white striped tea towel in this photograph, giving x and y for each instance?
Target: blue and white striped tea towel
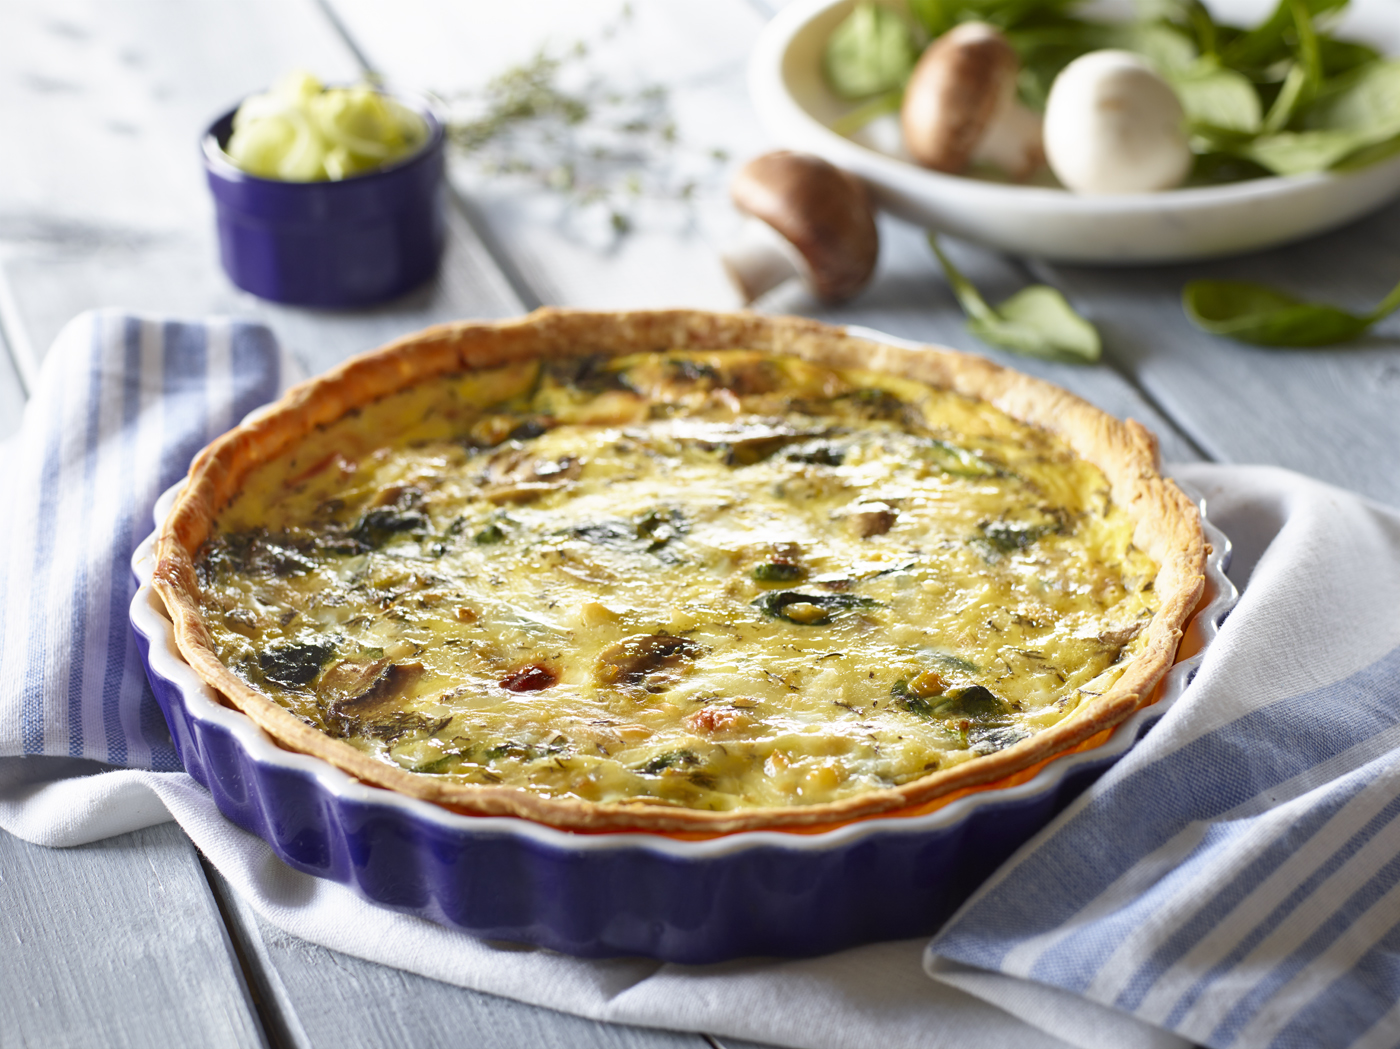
(1236, 878)
(122, 404)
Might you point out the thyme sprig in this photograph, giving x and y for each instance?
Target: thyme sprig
(556, 122)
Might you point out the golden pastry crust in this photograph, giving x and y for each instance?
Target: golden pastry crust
(1166, 528)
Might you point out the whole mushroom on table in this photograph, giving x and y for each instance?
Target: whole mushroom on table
(806, 219)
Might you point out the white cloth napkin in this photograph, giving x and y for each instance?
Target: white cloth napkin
(1146, 878)
(1236, 878)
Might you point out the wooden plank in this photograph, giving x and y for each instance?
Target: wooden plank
(569, 254)
(119, 95)
(1333, 413)
(116, 944)
(53, 281)
(699, 56)
(388, 1007)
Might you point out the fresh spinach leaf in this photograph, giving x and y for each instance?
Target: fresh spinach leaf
(1264, 316)
(870, 52)
(1344, 56)
(1369, 154)
(1365, 100)
(1303, 152)
(1036, 321)
(1353, 120)
(1220, 98)
(1048, 44)
(1269, 42)
(1170, 50)
(864, 113)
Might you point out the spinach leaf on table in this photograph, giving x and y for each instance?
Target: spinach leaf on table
(1264, 316)
(1036, 321)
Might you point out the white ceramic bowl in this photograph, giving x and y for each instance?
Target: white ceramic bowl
(795, 105)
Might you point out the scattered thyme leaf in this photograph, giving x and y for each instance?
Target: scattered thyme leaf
(558, 121)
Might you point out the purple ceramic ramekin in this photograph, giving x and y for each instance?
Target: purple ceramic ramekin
(595, 895)
(354, 242)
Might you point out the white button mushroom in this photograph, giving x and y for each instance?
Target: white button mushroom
(960, 106)
(1112, 125)
(808, 219)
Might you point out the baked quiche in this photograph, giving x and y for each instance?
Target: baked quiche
(679, 571)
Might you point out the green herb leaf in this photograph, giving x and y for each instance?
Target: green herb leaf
(935, 16)
(1036, 321)
(1366, 100)
(1344, 56)
(955, 461)
(1264, 316)
(1302, 152)
(938, 16)
(1047, 45)
(1220, 98)
(1269, 42)
(870, 52)
(671, 759)
(1009, 537)
(864, 113)
(1170, 50)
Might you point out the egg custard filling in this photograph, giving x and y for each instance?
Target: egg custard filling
(719, 580)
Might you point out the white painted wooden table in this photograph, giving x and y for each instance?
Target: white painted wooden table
(133, 941)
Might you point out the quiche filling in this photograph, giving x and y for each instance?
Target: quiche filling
(719, 580)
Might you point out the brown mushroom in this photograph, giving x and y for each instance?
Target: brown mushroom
(653, 662)
(391, 683)
(960, 106)
(808, 219)
(870, 519)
